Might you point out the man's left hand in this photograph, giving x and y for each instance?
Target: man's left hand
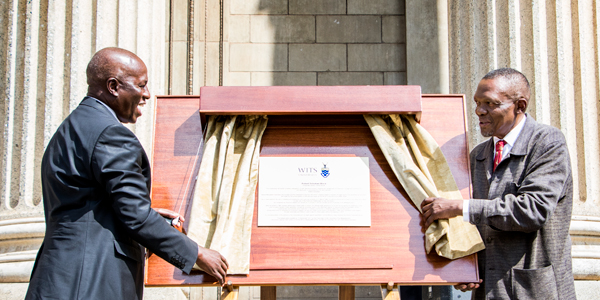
(440, 208)
(167, 213)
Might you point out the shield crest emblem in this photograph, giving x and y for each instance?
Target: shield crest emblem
(325, 171)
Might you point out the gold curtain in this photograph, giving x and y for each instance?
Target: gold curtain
(223, 201)
(421, 168)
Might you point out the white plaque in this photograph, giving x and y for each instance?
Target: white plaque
(314, 191)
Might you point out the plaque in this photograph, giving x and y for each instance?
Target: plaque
(314, 191)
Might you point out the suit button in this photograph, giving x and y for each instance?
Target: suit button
(489, 239)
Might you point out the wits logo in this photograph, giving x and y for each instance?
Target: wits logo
(308, 170)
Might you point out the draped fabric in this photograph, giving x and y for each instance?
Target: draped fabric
(421, 168)
(223, 201)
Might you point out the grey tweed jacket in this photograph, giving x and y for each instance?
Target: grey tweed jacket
(523, 211)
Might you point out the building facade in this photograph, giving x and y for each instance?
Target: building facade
(445, 46)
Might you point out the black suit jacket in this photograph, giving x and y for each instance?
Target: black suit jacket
(96, 184)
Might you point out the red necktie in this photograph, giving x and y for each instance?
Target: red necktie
(498, 158)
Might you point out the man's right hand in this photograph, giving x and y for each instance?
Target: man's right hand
(213, 263)
(465, 287)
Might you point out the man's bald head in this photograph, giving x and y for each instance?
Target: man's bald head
(119, 79)
(111, 63)
(514, 84)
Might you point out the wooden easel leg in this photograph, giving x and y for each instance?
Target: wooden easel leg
(230, 294)
(346, 292)
(268, 293)
(390, 291)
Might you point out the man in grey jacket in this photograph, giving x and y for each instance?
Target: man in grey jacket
(522, 197)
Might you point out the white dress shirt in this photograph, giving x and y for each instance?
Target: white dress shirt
(510, 140)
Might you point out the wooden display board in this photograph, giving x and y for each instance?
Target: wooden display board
(318, 121)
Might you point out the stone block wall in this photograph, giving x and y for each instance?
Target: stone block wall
(314, 42)
(186, 44)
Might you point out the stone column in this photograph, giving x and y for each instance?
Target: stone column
(45, 46)
(427, 45)
(555, 44)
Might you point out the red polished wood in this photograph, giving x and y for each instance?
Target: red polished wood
(274, 100)
(390, 250)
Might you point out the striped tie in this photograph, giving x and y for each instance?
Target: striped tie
(498, 158)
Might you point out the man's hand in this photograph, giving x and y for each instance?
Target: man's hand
(213, 263)
(167, 213)
(465, 287)
(440, 208)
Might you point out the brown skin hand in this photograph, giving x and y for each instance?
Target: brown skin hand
(465, 287)
(440, 208)
(213, 263)
(167, 213)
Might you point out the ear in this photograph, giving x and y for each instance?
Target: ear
(521, 105)
(112, 86)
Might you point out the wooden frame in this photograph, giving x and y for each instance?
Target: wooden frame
(318, 121)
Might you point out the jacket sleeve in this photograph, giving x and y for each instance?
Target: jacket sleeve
(117, 163)
(528, 203)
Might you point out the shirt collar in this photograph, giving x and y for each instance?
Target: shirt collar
(107, 107)
(512, 136)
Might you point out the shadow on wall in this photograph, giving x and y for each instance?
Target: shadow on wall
(330, 42)
(286, 76)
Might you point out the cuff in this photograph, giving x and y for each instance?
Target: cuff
(466, 210)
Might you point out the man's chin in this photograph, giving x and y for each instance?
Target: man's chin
(485, 133)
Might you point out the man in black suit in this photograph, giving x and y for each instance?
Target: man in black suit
(96, 193)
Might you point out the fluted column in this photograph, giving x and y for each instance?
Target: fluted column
(555, 44)
(45, 46)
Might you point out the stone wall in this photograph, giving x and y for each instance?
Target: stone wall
(555, 44)
(45, 46)
(289, 42)
(442, 45)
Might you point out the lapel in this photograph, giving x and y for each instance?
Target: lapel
(486, 157)
(522, 143)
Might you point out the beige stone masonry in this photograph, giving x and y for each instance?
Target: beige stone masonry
(237, 79)
(393, 29)
(258, 7)
(284, 78)
(198, 76)
(317, 57)
(348, 29)
(376, 57)
(442, 45)
(212, 64)
(317, 7)
(179, 67)
(258, 57)
(375, 7)
(282, 29)
(179, 9)
(239, 28)
(350, 78)
(394, 78)
(213, 16)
